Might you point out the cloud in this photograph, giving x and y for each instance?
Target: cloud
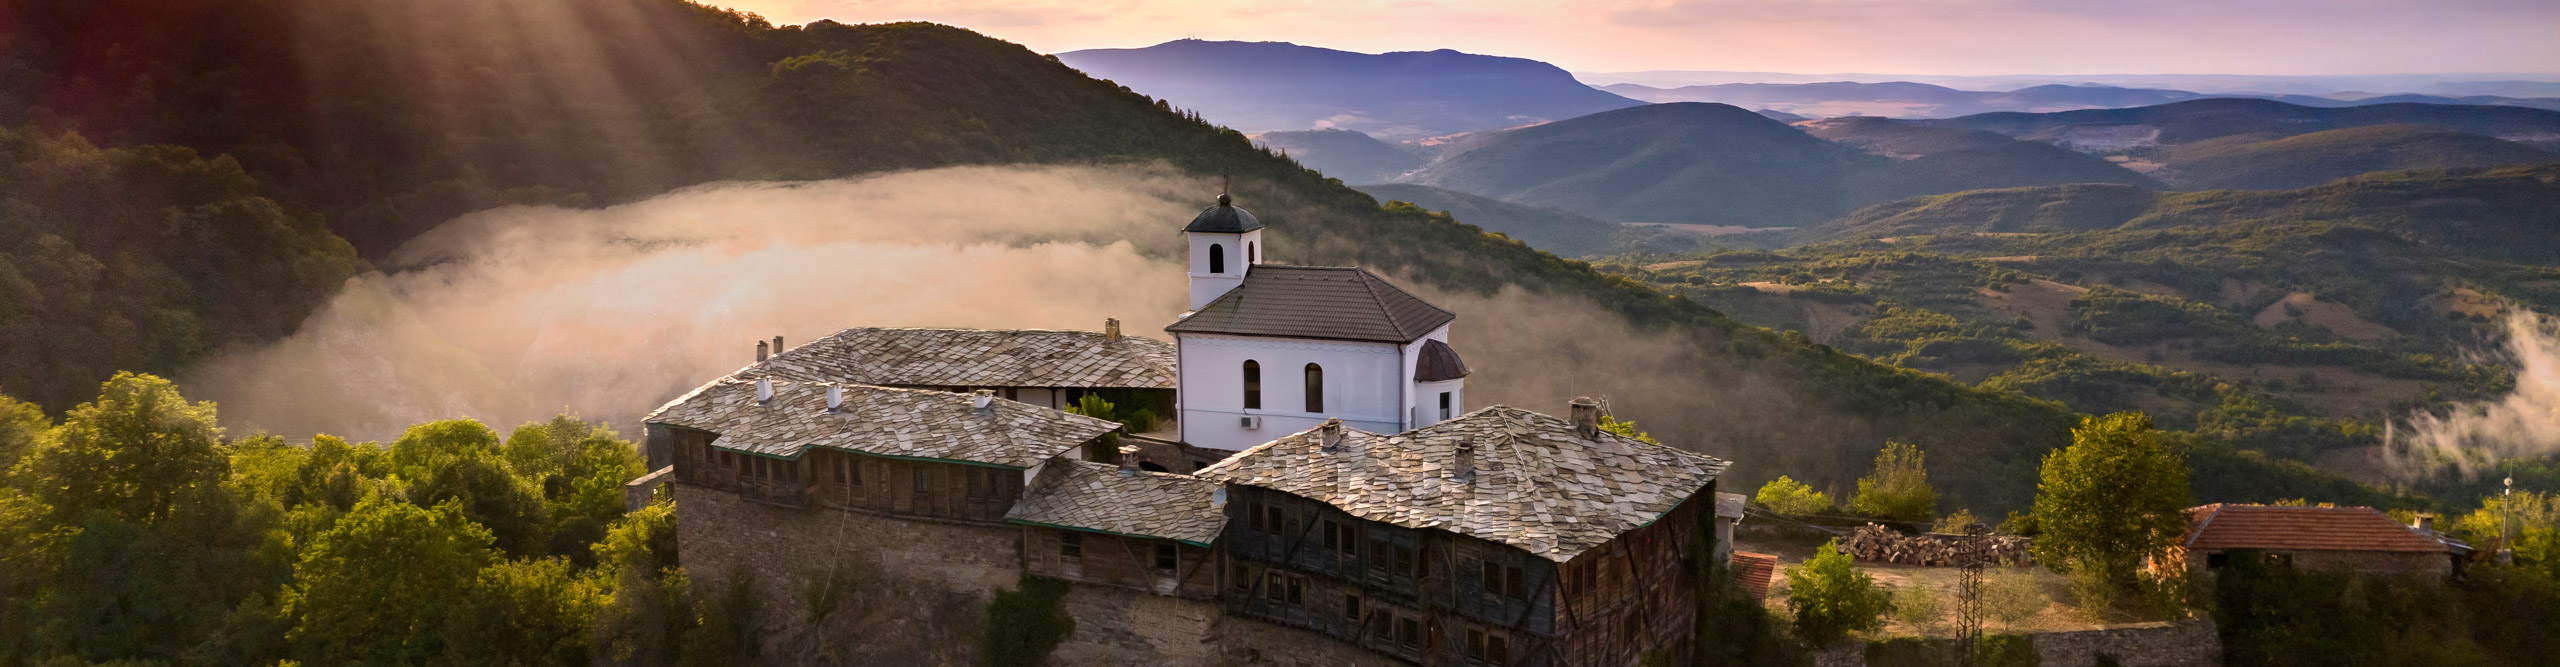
(2475, 437)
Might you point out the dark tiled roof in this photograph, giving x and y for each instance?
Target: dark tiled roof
(1753, 571)
(1071, 493)
(2225, 526)
(974, 358)
(911, 423)
(1223, 218)
(1438, 363)
(1537, 484)
(1328, 302)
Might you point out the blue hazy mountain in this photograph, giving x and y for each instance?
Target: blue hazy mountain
(1277, 86)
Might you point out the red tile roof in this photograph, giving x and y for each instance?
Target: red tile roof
(1753, 571)
(2225, 526)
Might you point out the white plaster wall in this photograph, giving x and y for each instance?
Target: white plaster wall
(1206, 286)
(1361, 383)
(1426, 401)
(1410, 408)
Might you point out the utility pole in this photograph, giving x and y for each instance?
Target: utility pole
(1971, 555)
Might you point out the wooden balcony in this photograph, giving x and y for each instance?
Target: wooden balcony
(774, 492)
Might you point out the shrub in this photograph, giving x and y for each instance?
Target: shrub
(2012, 596)
(1787, 496)
(1831, 598)
(1899, 489)
(1921, 608)
(1025, 624)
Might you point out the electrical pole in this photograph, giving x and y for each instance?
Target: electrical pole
(1971, 556)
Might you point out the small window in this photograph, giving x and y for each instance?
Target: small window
(978, 486)
(1253, 517)
(1252, 384)
(1243, 577)
(1297, 590)
(2216, 561)
(1444, 406)
(1252, 255)
(923, 479)
(1315, 388)
(1378, 555)
(1217, 258)
(1409, 630)
(1167, 557)
(1487, 647)
(1514, 586)
(1404, 561)
(1492, 578)
(1351, 606)
(1070, 545)
(1274, 588)
(1343, 538)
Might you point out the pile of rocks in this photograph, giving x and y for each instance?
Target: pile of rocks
(1877, 543)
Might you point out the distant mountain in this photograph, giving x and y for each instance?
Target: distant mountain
(1900, 99)
(2238, 163)
(1549, 229)
(1277, 86)
(1344, 154)
(1715, 164)
(1780, 116)
(2455, 85)
(1681, 163)
(2198, 120)
(2351, 100)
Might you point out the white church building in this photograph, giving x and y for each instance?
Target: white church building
(1268, 350)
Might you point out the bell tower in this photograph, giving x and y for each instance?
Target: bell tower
(1225, 242)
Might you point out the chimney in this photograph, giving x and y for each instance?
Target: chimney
(979, 402)
(777, 345)
(1329, 436)
(764, 391)
(1111, 330)
(1465, 470)
(835, 398)
(760, 352)
(2426, 523)
(1586, 418)
(1128, 460)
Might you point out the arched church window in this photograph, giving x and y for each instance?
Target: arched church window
(1250, 256)
(1315, 388)
(1252, 384)
(1217, 258)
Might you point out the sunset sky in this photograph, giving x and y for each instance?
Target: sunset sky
(1812, 36)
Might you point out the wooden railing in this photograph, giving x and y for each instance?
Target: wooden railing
(774, 492)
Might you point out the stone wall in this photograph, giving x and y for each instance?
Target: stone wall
(1244, 641)
(1117, 626)
(2188, 644)
(716, 532)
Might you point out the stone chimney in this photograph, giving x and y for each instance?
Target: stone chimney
(1465, 470)
(983, 401)
(835, 398)
(1586, 418)
(1111, 330)
(1128, 460)
(760, 351)
(764, 391)
(777, 345)
(1329, 436)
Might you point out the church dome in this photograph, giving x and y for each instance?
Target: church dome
(1223, 218)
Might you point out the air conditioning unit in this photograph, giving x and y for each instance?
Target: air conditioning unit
(1252, 421)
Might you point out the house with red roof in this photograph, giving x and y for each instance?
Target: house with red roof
(2351, 538)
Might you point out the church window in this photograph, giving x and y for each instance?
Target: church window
(1252, 385)
(1315, 388)
(1217, 258)
(1444, 406)
(1249, 254)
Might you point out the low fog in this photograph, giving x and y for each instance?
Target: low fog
(2475, 437)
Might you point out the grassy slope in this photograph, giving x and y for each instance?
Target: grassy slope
(1683, 162)
(1552, 230)
(2320, 157)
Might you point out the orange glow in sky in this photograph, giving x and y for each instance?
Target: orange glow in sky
(1813, 36)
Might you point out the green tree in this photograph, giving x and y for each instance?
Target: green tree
(580, 468)
(137, 452)
(22, 424)
(1831, 598)
(1625, 428)
(527, 613)
(384, 584)
(650, 611)
(2112, 498)
(1787, 496)
(458, 460)
(1899, 488)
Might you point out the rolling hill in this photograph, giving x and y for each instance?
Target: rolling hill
(1276, 86)
(1344, 154)
(1900, 99)
(2235, 162)
(1715, 164)
(2199, 120)
(1680, 163)
(1549, 229)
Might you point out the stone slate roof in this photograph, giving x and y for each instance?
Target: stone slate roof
(1074, 493)
(2224, 526)
(1537, 485)
(1326, 302)
(973, 358)
(1223, 217)
(1437, 363)
(909, 423)
(1730, 505)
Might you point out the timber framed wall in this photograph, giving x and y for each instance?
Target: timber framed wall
(1637, 592)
